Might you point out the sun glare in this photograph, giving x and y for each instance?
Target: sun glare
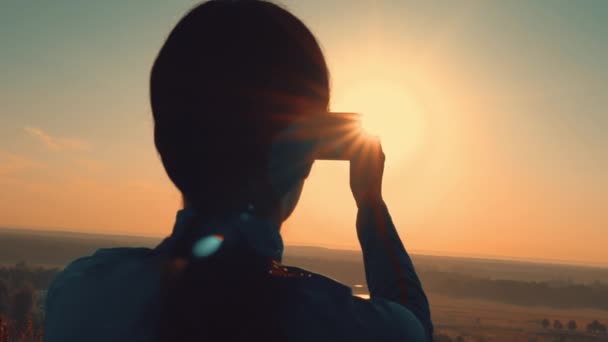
(388, 112)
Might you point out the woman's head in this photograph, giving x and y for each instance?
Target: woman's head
(230, 76)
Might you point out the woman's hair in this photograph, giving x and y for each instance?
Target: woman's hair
(229, 77)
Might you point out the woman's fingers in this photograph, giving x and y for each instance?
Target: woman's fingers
(367, 170)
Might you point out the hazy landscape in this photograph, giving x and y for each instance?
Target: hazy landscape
(471, 299)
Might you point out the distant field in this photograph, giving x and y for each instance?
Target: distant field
(59, 248)
(489, 321)
(56, 249)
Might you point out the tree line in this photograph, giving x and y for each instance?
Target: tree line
(21, 301)
(569, 296)
(595, 327)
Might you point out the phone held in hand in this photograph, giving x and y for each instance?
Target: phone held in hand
(337, 134)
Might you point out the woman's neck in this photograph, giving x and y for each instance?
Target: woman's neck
(274, 218)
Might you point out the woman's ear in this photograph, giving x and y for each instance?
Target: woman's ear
(265, 203)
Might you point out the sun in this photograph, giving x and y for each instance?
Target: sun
(388, 112)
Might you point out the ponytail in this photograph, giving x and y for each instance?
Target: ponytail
(228, 295)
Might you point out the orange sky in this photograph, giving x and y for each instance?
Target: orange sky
(493, 127)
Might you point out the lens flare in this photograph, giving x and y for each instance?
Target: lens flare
(387, 111)
(207, 246)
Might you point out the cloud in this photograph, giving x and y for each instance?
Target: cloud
(56, 143)
(11, 163)
(91, 165)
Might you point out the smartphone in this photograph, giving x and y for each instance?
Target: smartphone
(337, 134)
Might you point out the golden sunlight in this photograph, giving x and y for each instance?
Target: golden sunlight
(388, 112)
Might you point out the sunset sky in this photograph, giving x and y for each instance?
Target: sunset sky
(493, 114)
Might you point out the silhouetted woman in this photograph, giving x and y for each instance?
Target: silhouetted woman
(231, 77)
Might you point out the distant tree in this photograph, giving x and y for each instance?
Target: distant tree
(572, 325)
(557, 324)
(4, 298)
(545, 323)
(596, 327)
(26, 333)
(22, 306)
(3, 330)
(20, 274)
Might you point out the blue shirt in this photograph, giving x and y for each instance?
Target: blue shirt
(114, 294)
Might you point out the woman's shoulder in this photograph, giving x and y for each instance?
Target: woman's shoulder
(115, 283)
(327, 306)
(105, 266)
(103, 261)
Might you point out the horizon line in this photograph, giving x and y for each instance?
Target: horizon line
(418, 252)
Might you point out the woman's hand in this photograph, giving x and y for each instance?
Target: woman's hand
(295, 149)
(366, 171)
